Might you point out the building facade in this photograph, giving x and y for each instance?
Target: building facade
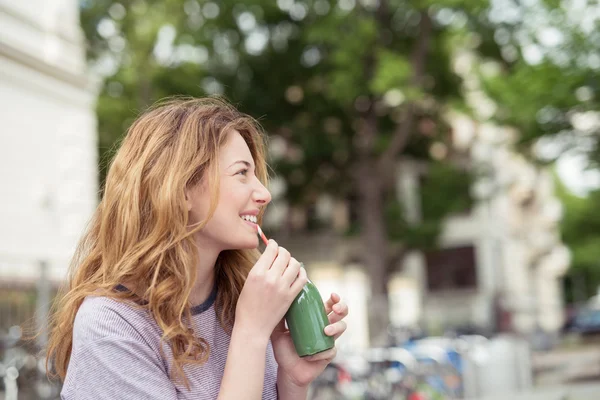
(499, 266)
(48, 157)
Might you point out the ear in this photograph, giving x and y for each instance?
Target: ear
(188, 198)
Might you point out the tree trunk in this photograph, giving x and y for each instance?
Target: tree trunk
(373, 174)
(371, 194)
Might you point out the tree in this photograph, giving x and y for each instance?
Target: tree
(545, 76)
(349, 87)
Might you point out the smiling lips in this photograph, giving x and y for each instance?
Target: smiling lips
(249, 218)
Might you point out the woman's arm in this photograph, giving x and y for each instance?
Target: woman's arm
(288, 390)
(245, 368)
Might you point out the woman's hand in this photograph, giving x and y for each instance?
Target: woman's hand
(271, 286)
(300, 372)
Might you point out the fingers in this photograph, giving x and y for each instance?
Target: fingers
(335, 298)
(268, 256)
(281, 262)
(336, 329)
(291, 272)
(339, 312)
(300, 281)
(327, 355)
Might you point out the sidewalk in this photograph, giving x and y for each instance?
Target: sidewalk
(567, 366)
(578, 391)
(561, 374)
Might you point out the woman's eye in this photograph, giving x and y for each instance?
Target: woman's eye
(243, 172)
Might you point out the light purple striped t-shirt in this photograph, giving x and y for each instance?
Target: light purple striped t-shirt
(116, 355)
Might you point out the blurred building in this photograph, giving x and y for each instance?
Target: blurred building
(48, 161)
(521, 258)
(499, 266)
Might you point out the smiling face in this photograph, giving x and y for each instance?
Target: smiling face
(241, 197)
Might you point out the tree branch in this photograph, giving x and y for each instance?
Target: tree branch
(402, 134)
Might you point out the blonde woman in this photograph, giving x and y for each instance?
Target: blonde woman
(168, 297)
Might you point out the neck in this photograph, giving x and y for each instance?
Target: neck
(205, 273)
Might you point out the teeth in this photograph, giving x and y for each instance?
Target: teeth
(251, 218)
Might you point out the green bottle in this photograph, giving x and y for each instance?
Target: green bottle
(306, 320)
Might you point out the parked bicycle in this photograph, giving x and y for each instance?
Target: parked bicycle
(22, 376)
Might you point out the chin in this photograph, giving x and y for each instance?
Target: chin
(245, 245)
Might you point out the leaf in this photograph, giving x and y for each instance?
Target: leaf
(393, 71)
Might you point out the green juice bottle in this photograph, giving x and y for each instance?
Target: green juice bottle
(306, 320)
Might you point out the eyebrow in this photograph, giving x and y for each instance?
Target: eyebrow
(246, 163)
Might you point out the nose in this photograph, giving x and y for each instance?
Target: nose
(261, 194)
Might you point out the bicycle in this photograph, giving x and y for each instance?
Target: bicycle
(18, 367)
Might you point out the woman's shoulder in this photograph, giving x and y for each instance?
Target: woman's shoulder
(99, 317)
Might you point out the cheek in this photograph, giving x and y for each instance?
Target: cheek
(233, 199)
(200, 204)
(234, 195)
(199, 211)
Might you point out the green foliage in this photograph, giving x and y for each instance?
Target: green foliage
(545, 87)
(393, 71)
(580, 229)
(347, 40)
(445, 191)
(311, 84)
(540, 95)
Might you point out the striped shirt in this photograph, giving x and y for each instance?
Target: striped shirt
(116, 355)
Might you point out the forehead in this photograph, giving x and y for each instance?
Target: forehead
(235, 149)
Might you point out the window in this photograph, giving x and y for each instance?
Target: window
(451, 268)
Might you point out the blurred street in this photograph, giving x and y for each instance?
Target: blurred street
(581, 391)
(567, 366)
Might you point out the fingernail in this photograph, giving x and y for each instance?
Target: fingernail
(329, 330)
(337, 307)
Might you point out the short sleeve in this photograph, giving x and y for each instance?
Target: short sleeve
(116, 368)
(113, 356)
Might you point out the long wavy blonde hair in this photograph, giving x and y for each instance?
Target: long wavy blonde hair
(140, 231)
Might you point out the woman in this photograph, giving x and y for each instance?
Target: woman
(168, 297)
